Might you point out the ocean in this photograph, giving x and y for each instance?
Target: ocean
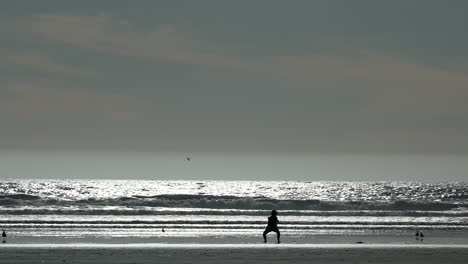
(232, 211)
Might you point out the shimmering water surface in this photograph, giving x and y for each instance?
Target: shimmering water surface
(142, 209)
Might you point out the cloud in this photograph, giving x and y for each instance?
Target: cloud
(106, 33)
(39, 61)
(44, 100)
(391, 84)
(404, 87)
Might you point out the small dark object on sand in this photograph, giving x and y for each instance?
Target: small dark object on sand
(419, 234)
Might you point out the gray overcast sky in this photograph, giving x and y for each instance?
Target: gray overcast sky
(234, 76)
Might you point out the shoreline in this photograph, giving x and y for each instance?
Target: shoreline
(195, 237)
(228, 246)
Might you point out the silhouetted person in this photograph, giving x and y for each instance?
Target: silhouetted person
(272, 226)
(419, 235)
(4, 235)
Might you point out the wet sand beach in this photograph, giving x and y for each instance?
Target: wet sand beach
(226, 253)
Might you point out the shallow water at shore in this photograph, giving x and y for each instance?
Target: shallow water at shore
(66, 211)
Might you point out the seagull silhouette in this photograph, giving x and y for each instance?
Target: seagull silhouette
(188, 159)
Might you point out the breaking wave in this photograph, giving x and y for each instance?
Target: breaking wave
(30, 204)
(34, 207)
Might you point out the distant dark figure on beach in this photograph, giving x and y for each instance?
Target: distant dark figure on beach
(272, 226)
(419, 235)
(4, 235)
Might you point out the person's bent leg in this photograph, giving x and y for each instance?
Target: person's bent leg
(267, 230)
(278, 235)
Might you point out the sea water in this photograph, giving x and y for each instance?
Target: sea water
(232, 211)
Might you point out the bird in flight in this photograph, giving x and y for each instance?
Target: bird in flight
(188, 159)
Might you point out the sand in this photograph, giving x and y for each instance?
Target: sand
(225, 253)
